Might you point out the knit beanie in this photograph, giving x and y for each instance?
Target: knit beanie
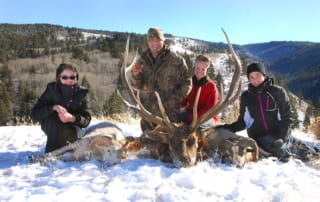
(256, 67)
(155, 32)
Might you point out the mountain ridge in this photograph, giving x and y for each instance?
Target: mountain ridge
(289, 58)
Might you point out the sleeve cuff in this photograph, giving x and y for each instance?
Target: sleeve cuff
(78, 119)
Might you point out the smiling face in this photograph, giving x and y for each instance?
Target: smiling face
(256, 78)
(200, 69)
(155, 44)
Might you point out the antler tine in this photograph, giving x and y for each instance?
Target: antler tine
(195, 108)
(235, 59)
(148, 115)
(229, 98)
(123, 72)
(166, 119)
(137, 105)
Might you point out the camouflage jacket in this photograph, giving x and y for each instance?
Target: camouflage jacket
(168, 75)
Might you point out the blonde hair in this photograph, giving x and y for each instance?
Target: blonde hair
(204, 58)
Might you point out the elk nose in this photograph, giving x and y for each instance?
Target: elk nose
(187, 160)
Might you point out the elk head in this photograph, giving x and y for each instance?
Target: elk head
(182, 140)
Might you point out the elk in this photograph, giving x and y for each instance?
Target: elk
(184, 144)
(102, 141)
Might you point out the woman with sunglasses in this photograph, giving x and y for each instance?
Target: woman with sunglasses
(62, 109)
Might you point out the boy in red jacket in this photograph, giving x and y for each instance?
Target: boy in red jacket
(208, 97)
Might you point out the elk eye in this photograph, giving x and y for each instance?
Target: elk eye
(190, 142)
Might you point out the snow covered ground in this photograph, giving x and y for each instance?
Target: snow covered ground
(144, 179)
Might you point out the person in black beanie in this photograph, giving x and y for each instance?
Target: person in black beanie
(265, 112)
(62, 109)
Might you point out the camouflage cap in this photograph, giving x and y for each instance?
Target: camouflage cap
(155, 32)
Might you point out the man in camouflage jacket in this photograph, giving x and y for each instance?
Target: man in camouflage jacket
(159, 69)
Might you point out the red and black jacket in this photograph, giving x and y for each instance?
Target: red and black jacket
(208, 97)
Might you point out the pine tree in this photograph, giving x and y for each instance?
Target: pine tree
(113, 105)
(5, 112)
(306, 121)
(317, 107)
(26, 99)
(295, 117)
(211, 72)
(219, 82)
(5, 77)
(7, 98)
(300, 96)
(279, 81)
(189, 63)
(91, 95)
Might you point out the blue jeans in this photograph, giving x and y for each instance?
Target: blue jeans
(183, 117)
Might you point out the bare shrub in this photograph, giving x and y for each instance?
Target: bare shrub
(315, 127)
(231, 113)
(102, 73)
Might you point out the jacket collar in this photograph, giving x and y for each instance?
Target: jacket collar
(68, 91)
(200, 82)
(262, 87)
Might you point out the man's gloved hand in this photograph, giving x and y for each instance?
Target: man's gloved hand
(278, 143)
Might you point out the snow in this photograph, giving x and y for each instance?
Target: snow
(183, 45)
(143, 179)
(178, 49)
(89, 34)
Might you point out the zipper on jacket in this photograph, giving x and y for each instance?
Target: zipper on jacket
(69, 104)
(262, 114)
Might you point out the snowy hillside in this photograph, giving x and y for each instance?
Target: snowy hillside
(185, 45)
(139, 179)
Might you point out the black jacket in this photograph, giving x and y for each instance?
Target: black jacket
(264, 110)
(74, 100)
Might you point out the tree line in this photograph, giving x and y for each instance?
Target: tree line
(41, 47)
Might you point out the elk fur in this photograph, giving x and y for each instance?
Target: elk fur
(102, 142)
(230, 147)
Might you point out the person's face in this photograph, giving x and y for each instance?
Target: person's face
(256, 78)
(200, 69)
(155, 45)
(68, 77)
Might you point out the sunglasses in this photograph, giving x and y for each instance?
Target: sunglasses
(68, 77)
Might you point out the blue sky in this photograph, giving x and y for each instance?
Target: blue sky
(246, 21)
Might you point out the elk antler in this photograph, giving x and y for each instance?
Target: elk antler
(135, 99)
(231, 96)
